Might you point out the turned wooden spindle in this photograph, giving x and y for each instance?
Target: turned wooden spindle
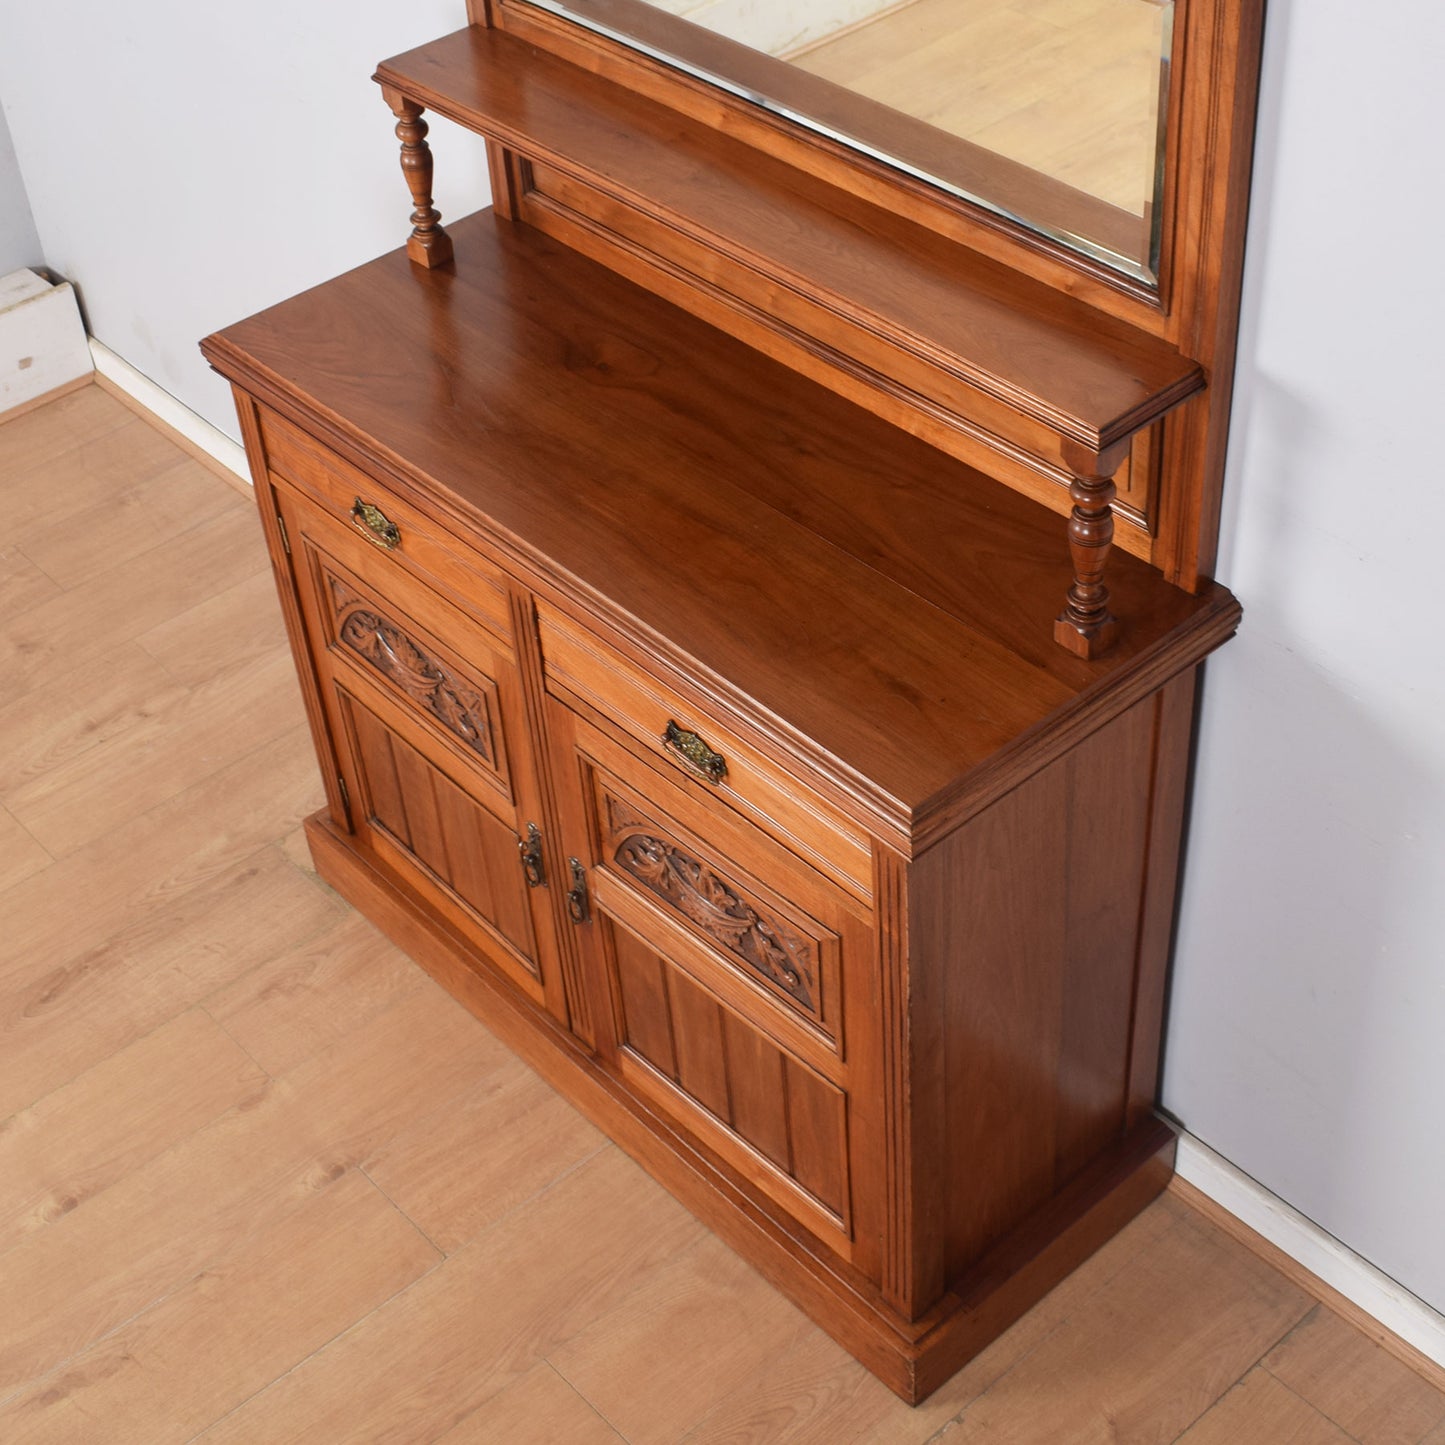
(1086, 626)
(428, 244)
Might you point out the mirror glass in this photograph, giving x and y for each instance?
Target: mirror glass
(1048, 112)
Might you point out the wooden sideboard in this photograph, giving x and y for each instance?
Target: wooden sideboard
(705, 730)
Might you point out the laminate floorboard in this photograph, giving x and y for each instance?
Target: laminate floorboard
(540, 1409)
(262, 1181)
(1373, 1396)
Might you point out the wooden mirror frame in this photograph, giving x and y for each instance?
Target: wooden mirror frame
(1047, 370)
(1040, 203)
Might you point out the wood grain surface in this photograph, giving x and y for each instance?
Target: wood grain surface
(1195, 306)
(1091, 377)
(690, 530)
(609, 473)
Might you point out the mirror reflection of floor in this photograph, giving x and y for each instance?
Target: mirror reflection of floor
(1066, 87)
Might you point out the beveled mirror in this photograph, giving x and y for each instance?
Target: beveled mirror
(1052, 115)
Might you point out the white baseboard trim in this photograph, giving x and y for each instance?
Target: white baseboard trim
(1401, 1312)
(174, 414)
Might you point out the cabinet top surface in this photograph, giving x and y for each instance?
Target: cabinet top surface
(883, 606)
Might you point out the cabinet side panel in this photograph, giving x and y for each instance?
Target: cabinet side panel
(1025, 929)
(1175, 732)
(992, 919)
(1108, 781)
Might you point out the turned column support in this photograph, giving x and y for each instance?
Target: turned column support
(428, 244)
(1086, 626)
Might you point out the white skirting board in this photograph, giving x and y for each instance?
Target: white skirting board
(1304, 1241)
(174, 414)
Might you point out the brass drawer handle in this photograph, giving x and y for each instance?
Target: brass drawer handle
(695, 753)
(375, 525)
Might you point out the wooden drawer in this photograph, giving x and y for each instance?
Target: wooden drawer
(580, 666)
(417, 544)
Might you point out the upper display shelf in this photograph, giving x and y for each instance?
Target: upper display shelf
(1091, 390)
(1051, 116)
(1000, 352)
(1052, 361)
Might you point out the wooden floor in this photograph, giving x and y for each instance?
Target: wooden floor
(261, 1181)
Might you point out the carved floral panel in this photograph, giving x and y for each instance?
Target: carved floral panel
(391, 651)
(715, 906)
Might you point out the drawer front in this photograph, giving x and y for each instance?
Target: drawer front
(695, 747)
(403, 539)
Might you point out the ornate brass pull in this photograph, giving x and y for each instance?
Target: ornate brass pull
(695, 753)
(530, 848)
(578, 907)
(375, 525)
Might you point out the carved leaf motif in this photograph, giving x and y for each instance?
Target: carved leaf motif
(449, 706)
(713, 906)
(429, 683)
(620, 816)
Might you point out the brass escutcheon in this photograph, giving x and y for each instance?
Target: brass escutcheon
(579, 908)
(530, 849)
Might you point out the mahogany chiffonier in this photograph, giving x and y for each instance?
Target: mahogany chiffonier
(696, 569)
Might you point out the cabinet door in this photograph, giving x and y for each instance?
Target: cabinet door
(426, 713)
(731, 982)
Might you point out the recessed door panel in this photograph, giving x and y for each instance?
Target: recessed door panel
(790, 1121)
(425, 817)
(721, 968)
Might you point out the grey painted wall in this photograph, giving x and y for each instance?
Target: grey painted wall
(19, 244)
(1308, 1029)
(189, 163)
